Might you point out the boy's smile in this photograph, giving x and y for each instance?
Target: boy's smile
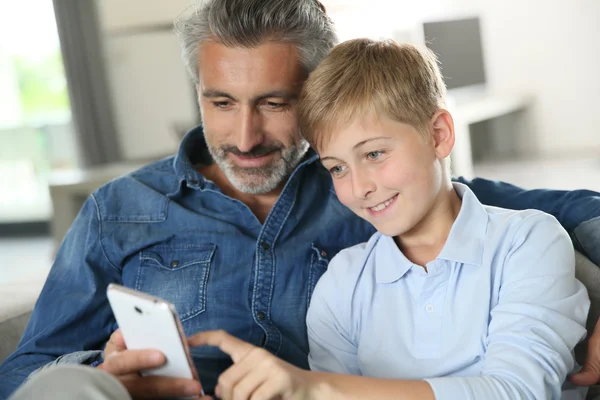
(378, 209)
(388, 173)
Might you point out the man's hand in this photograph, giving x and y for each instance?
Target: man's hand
(590, 373)
(125, 366)
(256, 373)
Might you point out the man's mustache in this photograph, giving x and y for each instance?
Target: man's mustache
(255, 152)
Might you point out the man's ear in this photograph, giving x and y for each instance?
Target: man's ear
(442, 127)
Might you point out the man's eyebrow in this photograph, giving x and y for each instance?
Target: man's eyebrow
(210, 93)
(280, 94)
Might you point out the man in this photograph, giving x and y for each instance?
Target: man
(236, 229)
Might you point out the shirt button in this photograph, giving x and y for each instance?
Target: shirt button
(429, 308)
(323, 253)
(261, 315)
(174, 263)
(265, 245)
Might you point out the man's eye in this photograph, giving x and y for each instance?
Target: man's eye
(275, 105)
(221, 104)
(374, 155)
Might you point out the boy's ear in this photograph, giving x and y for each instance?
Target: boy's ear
(442, 127)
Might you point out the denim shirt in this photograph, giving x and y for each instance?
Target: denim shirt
(168, 231)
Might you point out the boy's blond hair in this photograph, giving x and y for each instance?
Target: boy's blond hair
(363, 77)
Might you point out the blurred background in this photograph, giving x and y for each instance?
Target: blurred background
(90, 90)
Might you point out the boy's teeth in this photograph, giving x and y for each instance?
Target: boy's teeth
(382, 206)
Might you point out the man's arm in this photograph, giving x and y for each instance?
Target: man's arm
(578, 211)
(71, 314)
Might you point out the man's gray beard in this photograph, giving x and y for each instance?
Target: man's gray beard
(261, 180)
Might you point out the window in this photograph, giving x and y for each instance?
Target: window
(36, 135)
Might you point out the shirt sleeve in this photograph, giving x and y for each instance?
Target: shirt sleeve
(332, 348)
(539, 318)
(72, 314)
(570, 207)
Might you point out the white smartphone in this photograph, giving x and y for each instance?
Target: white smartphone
(148, 322)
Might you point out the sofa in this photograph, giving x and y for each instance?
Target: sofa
(16, 303)
(18, 298)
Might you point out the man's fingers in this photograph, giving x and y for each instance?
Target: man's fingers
(154, 387)
(590, 373)
(588, 376)
(115, 344)
(116, 339)
(132, 361)
(233, 346)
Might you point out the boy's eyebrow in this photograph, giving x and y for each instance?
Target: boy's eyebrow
(358, 145)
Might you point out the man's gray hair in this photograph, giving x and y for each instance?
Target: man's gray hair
(250, 23)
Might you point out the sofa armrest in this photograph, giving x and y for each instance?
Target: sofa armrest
(17, 300)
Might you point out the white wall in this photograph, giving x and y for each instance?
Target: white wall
(153, 97)
(548, 48)
(123, 14)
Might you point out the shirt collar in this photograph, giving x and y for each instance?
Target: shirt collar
(194, 151)
(390, 263)
(467, 235)
(464, 244)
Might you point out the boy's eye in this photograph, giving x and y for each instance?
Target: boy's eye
(374, 155)
(338, 169)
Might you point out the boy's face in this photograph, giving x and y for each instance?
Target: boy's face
(385, 172)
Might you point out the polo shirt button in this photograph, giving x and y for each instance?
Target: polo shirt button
(174, 263)
(265, 245)
(260, 315)
(429, 308)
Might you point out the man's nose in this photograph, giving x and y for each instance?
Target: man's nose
(249, 132)
(362, 184)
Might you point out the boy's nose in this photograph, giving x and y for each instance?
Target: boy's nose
(362, 184)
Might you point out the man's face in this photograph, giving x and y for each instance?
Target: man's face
(249, 99)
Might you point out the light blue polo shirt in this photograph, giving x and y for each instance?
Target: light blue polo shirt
(496, 316)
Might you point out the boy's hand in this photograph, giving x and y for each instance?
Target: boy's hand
(256, 373)
(125, 365)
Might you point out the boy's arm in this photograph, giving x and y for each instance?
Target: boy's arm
(71, 314)
(578, 211)
(328, 323)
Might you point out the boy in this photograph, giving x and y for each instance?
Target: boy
(450, 299)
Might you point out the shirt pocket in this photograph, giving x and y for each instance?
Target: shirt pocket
(178, 274)
(319, 260)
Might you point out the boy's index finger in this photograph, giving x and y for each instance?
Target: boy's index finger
(231, 345)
